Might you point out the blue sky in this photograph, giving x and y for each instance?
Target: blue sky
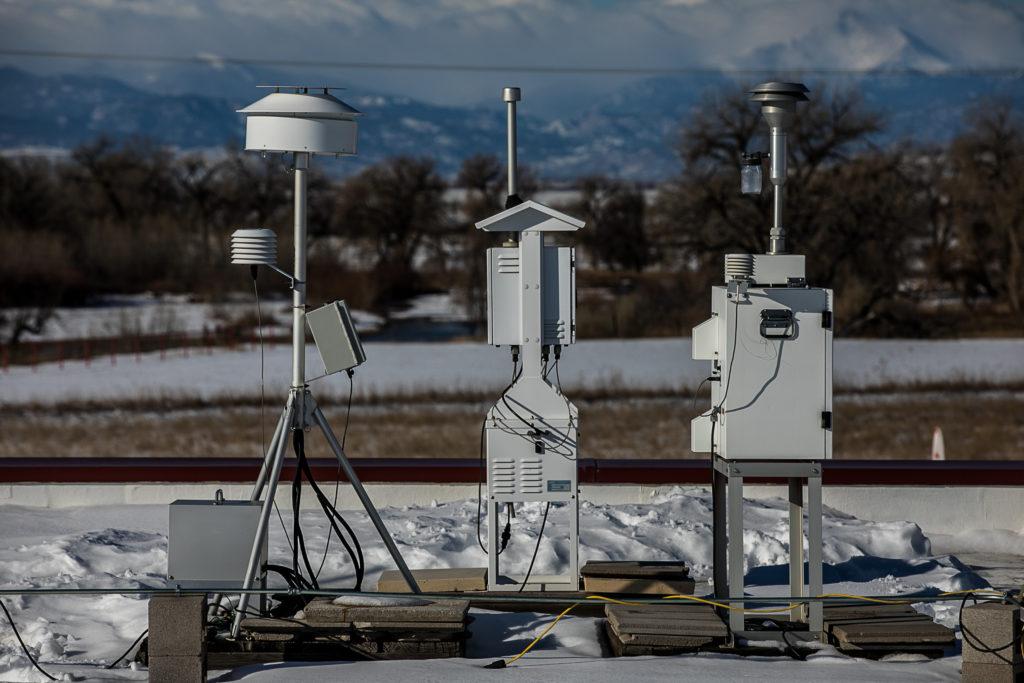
(933, 35)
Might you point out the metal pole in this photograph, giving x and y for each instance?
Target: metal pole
(814, 550)
(796, 542)
(357, 486)
(261, 480)
(718, 533)
(511, 96)
(777, 236)
(736, 587)
(299, 287)
(261, 528)
(493, 561)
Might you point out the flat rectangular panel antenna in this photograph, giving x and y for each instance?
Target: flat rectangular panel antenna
(336, 338)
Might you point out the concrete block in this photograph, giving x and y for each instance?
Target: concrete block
(454, 580)
(992, 625)
(973, 672)
(177, 625)
(170, 669)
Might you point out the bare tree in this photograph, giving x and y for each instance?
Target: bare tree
(986, 187)
(849, 206)
(616, 234)
(398, 205)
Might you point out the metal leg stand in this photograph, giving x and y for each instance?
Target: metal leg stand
(796, 543)
(727, 496)
(735, 521)
(492, 542)
(357, 485)
(574, 533)
(257, 491)
(261, 480)
(720, 554)
(268, 503)
(814, 547)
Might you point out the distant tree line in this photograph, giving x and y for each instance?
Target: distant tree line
(916, 239)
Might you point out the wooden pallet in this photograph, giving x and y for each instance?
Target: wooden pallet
(637, 578)
(349, 632)
(878, 630)
(663, 629)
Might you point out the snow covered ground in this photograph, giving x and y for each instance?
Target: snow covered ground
(397, 369)
(125, 546)
(146, 314)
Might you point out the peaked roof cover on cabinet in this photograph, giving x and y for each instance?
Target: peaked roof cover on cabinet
(530, 216)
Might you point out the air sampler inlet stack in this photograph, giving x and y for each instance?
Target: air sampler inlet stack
(769, 337)
(532, 430)
(769, 341)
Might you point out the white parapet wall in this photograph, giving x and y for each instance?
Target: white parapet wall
(936, 509)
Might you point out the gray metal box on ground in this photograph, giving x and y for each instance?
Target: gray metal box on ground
(208, 542)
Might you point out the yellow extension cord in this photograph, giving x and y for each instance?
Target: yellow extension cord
(713, 603)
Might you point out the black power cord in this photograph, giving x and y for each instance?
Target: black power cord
(354, 549)
(263, 393)
(506, 533)
(973, 640)
(337, 477)
(540, 536)
(24, 648)
(128, 651)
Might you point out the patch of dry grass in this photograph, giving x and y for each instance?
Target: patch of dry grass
(977, 426)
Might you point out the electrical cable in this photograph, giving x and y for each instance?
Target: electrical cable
(24, 648)
(128, 651)
(503, 663)
(337, 475)
(263, 394)
(696, 394)
(507, 532)
(540, 535)
(354, 550)
(973, 640)
(299, 549)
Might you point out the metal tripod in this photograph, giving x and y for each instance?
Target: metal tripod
(302, 412)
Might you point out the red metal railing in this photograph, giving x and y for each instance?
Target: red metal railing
(466, 471)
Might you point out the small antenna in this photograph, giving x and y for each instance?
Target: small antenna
(510, 96)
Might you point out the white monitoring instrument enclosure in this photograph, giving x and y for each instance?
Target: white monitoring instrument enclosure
(532, 430)
(318, 123)
(769, 340)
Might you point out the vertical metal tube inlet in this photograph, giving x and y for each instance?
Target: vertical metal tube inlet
(510, 96)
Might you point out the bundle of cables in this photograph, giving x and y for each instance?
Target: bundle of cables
(348, 539)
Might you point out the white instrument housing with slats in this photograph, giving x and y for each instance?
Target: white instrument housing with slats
(505, 291)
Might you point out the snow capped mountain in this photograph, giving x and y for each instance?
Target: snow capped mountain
(907, 56)
(631, 134)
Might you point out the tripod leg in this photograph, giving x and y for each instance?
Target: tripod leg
(257, 490)
(261, 480)
(261, 529)
(357, 486)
